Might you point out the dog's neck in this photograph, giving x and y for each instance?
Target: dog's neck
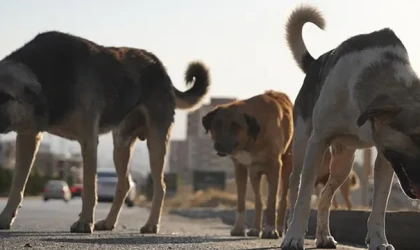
(382, 90)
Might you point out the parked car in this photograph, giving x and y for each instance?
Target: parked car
(76, 190)
(107, 184)
(57, 189)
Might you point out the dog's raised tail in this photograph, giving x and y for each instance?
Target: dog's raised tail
(354, 181)
(191, 99)
(294, 27)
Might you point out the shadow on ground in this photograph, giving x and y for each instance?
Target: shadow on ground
(11, 234)
(141, 239)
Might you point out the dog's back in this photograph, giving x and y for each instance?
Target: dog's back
(286, 113)
(73, 70)
(366, 49)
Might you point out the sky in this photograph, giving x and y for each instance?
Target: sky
(241, 41)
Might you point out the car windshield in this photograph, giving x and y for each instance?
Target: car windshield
(106, 174)
(55, 184)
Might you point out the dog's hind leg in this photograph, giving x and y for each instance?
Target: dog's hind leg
(158, 133)
(26, 148)
(341, 164)
(345, 193)
(383, 174)
(286, 170)
(122, 153)
(334, 201)
(89, 149)
(314, 157)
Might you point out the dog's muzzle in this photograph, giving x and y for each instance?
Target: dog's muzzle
(223, 150)
(407, 170)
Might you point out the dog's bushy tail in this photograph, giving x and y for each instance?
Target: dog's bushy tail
(294, 27)
(191, 99)
(354, 181)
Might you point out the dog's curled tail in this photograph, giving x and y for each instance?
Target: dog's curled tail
(354, 181)
(294, 28)
(191, 99)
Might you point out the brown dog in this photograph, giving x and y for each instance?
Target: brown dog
(351, 183)
(257, 134)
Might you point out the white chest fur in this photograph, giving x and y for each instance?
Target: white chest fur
(243, 157)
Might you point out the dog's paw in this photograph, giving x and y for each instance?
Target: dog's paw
(269, 233)
(237, 232)
(381, 247)
(103, 225)
(253, 232)
(378, 243)
(149, 229)
(82, 226)
(6, 221)
(327, 242)
(292, 243)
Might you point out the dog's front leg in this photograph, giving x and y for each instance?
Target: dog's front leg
(89, 147)
(383, 174)
(315, 151)
(241, 178)
(299, 144)
(270, 225)
(26, 148)
(255, 177)
(123, 147)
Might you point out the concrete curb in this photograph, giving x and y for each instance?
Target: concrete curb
(346, 226)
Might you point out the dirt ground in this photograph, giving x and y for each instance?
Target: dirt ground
(186, 198)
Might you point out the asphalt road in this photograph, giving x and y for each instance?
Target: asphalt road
(41, 225)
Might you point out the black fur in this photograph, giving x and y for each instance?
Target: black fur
(127, 77)
(307, 61)
(196, 72)
(318, 70)
(253, 126)
(312, 85)
(377, 39)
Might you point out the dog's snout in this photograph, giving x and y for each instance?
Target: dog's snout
(219, 147)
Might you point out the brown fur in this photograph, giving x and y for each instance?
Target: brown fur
(351, 183)
(261, 129)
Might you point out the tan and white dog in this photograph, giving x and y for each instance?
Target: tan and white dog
(361, 94)
(326, 175)
(256, 133)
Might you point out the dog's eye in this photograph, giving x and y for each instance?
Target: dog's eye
(4, 98)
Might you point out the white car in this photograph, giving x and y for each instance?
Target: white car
(57, 189)
(107, 184)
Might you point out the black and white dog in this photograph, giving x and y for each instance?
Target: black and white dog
(361, 94)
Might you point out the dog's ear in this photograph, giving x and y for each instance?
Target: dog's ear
(253, 126)
(378, 112)
(208, 119)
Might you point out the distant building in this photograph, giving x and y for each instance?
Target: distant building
(196, 152)
(7, 154)
(178, 158)
(47, 163)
